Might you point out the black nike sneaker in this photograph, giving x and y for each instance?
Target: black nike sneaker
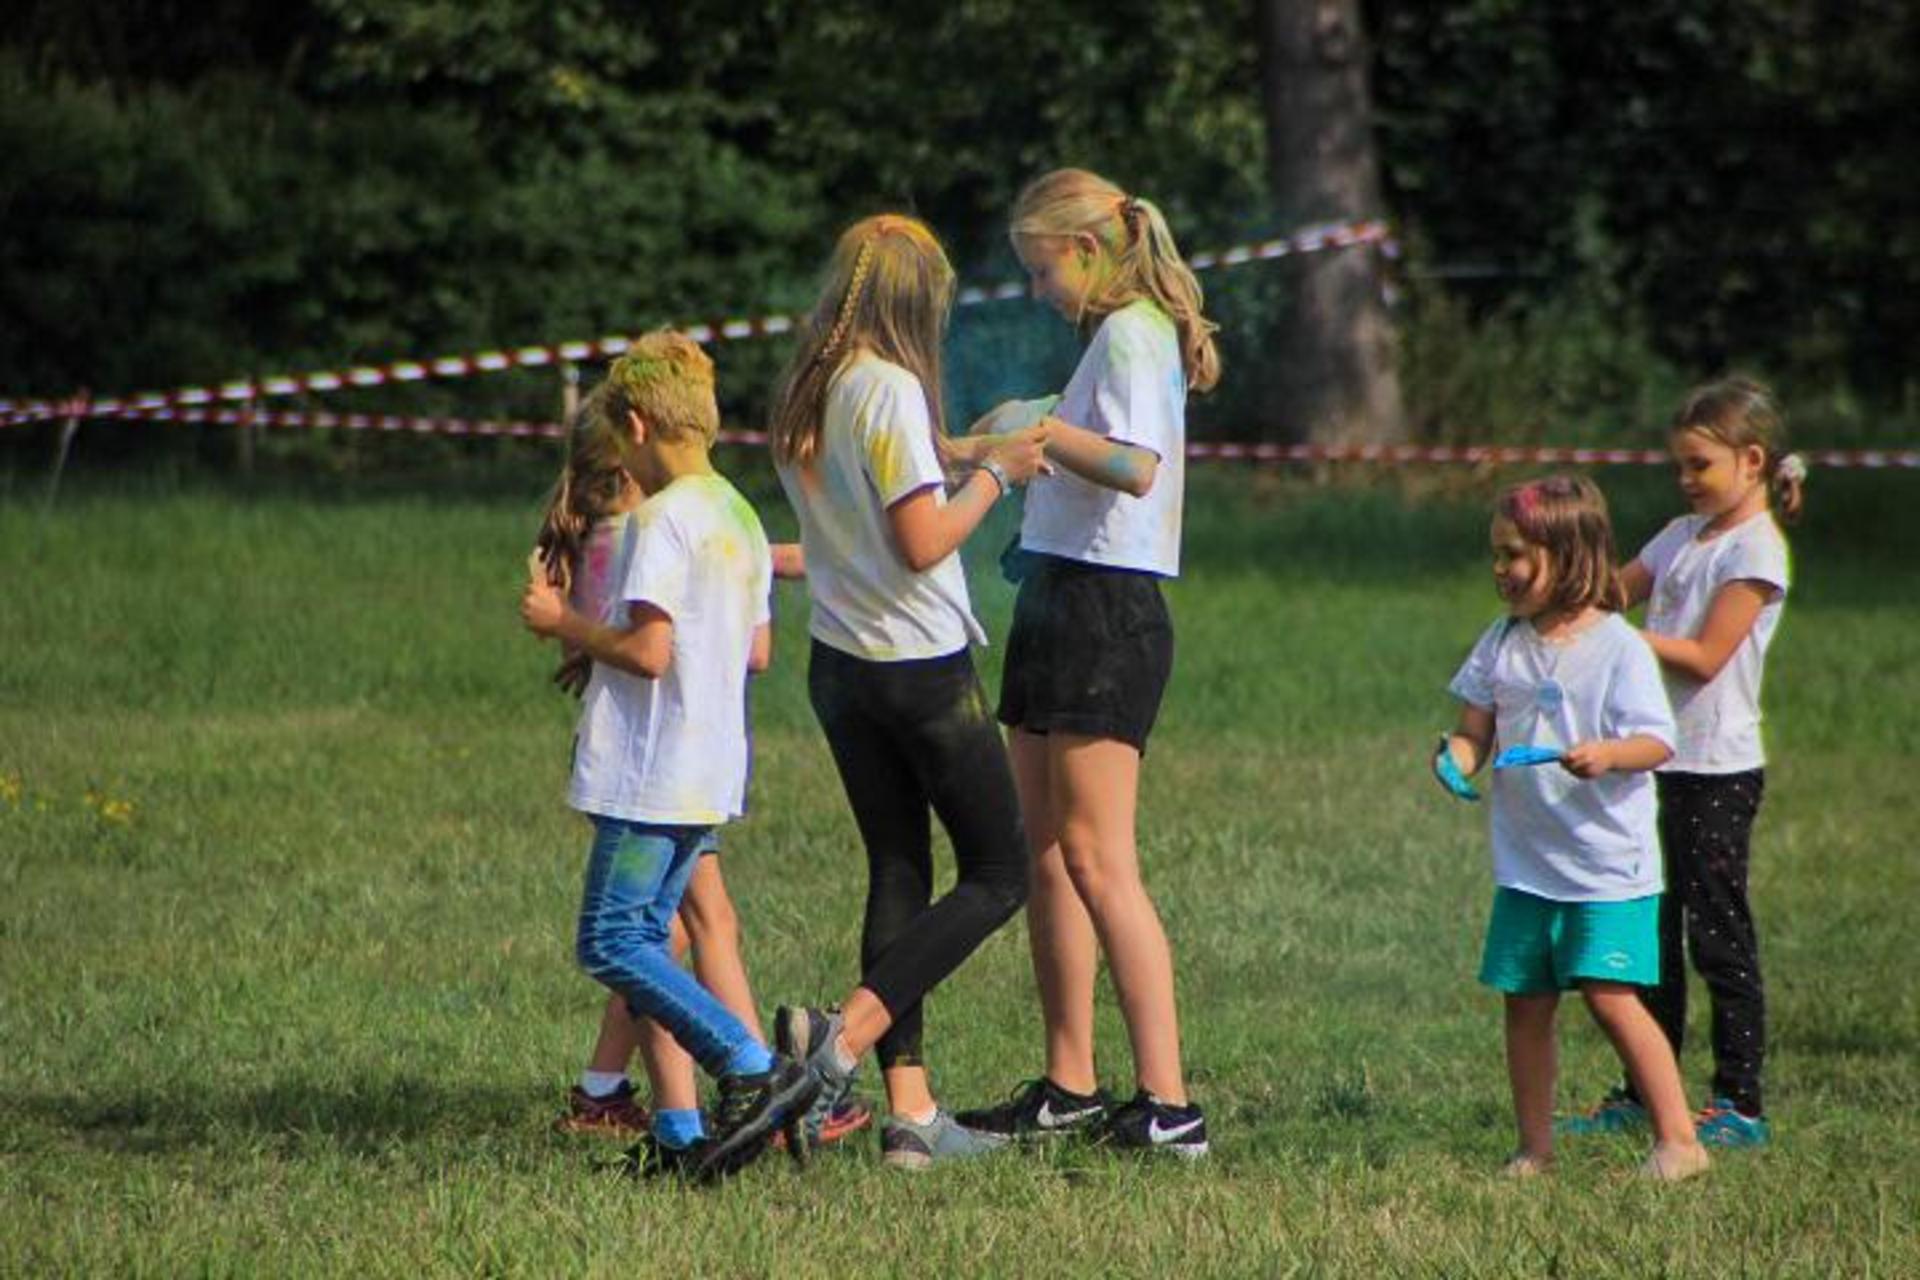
(1039, 1109)
(1144, 1123)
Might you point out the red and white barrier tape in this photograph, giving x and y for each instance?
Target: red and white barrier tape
(1508, 455)
(1204, 451)
(1315, 239)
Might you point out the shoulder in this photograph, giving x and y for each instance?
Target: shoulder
(867, 374)
(1673, 535)
(1494, 637)
(1623, 642)
(1139, 329)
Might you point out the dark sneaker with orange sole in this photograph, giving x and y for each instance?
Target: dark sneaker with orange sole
(618, 1115)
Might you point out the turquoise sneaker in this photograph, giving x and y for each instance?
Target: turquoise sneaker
(1720, 1124)
(1618, 1112)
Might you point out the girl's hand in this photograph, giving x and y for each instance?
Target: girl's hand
(541, 606)
(959, 453)
(1591, 759)
(1023, 455)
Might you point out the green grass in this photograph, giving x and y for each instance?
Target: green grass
(286, 888)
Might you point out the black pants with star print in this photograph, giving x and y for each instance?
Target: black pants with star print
(1706, 821)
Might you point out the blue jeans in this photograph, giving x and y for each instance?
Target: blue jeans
(636, 875)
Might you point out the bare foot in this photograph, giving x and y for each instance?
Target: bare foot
(1672, 1162)
(1525, 1165)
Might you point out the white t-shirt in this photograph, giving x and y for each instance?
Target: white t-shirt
(876, 447)
(1130, 386)
(1719, 720)
(1554, 835)
(676, 750)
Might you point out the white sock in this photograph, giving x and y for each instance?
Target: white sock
(599, 1084)
(923, 1119)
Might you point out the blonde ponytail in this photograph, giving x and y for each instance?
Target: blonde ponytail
(1140, 248)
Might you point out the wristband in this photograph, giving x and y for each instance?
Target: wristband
(999, 474)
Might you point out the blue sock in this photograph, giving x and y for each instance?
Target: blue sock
(750, 1059)
(678, 1128)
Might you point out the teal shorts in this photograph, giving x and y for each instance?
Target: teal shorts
(1536, 946)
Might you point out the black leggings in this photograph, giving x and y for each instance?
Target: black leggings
(1705, 823)
(908, 738)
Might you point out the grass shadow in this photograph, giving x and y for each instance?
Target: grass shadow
(361, 1117)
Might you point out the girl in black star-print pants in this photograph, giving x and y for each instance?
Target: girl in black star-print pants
(1705, 824)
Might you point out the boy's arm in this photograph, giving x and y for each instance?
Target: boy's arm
(643, 649)
(1635, 754)
(1730, 618)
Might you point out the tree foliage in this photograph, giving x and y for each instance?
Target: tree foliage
(199, 190)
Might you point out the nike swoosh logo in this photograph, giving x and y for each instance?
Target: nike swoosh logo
(1048, 1118)
(1158, 1135)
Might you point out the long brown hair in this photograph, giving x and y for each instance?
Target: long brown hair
(1144, 261)
(1739, 412)
(888, 289)
(593, 481)
(1566, 517)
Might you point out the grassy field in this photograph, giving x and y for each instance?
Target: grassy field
(286, 887)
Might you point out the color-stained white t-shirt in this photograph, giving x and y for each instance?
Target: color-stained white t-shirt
(1554, 835)
(876, 447)
(1131, 387)
(676, 750)
(1720, 719)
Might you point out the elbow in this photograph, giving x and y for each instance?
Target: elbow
(920, 556)
(1137, 477)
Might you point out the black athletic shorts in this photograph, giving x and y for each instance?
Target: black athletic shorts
(1090, 652)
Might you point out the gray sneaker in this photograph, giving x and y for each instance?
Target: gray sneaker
(906, 1145)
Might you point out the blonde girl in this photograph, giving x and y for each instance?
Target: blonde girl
(855, 433)
(1092, 647)
(1714, 582)
(1576, 857)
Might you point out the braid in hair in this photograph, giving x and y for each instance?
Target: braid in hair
(862, 267)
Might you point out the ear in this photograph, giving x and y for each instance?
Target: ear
(1756, 456)
(636, 426)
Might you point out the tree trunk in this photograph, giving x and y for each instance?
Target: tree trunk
(1333, 350)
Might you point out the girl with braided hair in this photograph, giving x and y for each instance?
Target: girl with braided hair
(857, 441)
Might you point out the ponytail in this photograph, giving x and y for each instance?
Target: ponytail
(1146, 262)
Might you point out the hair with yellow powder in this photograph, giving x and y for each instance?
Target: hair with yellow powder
(888, 289)
(667, 380)
(1141, 258)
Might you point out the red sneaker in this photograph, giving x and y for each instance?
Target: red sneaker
(847, 1117)
(615, 1116)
